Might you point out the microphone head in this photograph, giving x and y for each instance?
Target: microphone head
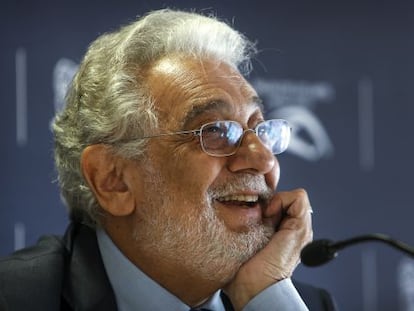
(317, 253)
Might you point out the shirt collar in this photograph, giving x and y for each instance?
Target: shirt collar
(134, 290)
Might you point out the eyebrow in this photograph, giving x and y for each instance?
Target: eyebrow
(216, 105)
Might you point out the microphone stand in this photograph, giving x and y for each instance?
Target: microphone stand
(374, 237)
(319, 252)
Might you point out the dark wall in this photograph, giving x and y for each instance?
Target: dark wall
(340, 71)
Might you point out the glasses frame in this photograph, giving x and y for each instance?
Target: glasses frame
(197, 132)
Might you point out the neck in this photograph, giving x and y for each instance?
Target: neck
(171, 272)
(184, 284)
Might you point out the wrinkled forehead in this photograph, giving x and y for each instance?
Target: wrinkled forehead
(186, 88)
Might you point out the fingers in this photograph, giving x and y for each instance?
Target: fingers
(294, 203)
(293, 229)
(290, 209)
(296, 207)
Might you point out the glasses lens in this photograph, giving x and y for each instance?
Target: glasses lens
(221, 137)
(274, 134)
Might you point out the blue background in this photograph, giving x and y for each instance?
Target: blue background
(341, 71)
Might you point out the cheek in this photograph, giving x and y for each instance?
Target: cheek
(186, 171)
(192, 175)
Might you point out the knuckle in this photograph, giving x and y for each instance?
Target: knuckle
(301, 193)
(302, 196)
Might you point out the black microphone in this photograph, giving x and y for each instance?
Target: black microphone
(318, 252)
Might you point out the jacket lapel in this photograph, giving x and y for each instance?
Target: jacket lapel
(86, 285)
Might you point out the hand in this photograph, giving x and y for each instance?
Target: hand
(280, 257)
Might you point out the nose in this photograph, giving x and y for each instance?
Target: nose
(252, 156)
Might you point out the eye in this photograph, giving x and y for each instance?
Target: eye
(214, 136)
(214, 129)
(221, 134)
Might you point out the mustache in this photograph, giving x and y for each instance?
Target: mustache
(241, 183)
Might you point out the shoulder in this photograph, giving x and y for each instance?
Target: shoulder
(48, 251)
(315, 298)
(57, 274)
(35, 273)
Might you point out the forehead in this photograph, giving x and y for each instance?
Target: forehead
(185, 89)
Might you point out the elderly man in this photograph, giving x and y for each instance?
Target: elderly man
(169, 172)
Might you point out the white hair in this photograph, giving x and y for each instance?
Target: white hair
(109, 102)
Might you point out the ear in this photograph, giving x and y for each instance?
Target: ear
(103, 172)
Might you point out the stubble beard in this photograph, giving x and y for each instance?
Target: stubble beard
(198, 239)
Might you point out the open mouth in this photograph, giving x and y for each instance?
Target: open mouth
(240, 200)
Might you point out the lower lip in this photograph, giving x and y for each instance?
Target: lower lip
(244, 211)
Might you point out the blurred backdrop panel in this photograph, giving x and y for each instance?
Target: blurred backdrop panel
(340, 71)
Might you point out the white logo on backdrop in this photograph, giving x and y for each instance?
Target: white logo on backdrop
(406, 284)
(62, 76)
(294, 101)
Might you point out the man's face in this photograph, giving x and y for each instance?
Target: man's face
(195, 204)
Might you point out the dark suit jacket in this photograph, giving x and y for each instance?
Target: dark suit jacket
(68, 274)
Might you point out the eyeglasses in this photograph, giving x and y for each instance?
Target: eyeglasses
(223, 138)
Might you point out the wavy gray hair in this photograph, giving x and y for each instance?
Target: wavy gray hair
(108, 100)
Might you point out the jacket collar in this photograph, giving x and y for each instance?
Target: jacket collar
(86, 285)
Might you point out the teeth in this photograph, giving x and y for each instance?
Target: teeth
(241, 198)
